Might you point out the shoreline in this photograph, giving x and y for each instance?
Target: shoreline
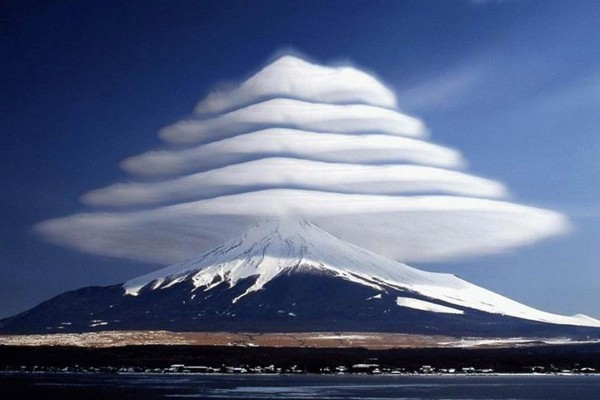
(308, 374)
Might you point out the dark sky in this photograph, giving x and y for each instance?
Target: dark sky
(515, 85)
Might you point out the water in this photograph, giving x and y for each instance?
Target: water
(139, 386)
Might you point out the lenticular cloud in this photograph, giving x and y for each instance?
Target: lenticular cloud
(299, 140)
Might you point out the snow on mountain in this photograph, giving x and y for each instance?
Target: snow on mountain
(276, 246)
(426, 306)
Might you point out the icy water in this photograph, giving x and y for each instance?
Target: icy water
(137, 386)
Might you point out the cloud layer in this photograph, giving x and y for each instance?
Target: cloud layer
(298, 139)
(293, 143)
(292, 77)
(318, 117)
(273, 173)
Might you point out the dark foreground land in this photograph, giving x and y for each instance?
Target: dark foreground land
(546, 358)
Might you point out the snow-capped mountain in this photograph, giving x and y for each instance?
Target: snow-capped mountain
(275, 247)
(291, 275)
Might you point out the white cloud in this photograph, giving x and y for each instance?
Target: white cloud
(448, 89)
(414, 228)
(347, 168)
(282, 142)
(272, 173)
(293, 77)
(354, 118)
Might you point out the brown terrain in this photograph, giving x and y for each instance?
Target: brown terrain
(373, 341)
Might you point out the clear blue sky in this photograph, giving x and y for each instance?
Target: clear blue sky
(513, 84)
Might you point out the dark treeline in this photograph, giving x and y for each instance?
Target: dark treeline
(556, 358)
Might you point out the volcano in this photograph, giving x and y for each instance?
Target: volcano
(292, 276)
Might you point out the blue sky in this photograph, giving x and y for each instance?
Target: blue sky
(514, 85)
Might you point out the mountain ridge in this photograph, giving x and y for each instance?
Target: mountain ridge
(292, 276)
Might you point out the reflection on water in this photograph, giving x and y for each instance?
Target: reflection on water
(138, 386)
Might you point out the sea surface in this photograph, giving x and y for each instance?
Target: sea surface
(148, 386)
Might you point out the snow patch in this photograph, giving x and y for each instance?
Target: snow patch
(98, 323)
(426, 306)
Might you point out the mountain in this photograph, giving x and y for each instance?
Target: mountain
(292, 276)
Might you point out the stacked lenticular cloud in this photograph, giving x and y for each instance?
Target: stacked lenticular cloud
(299, 140)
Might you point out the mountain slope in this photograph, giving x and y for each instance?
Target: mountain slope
(293, 276)
(271, 248)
